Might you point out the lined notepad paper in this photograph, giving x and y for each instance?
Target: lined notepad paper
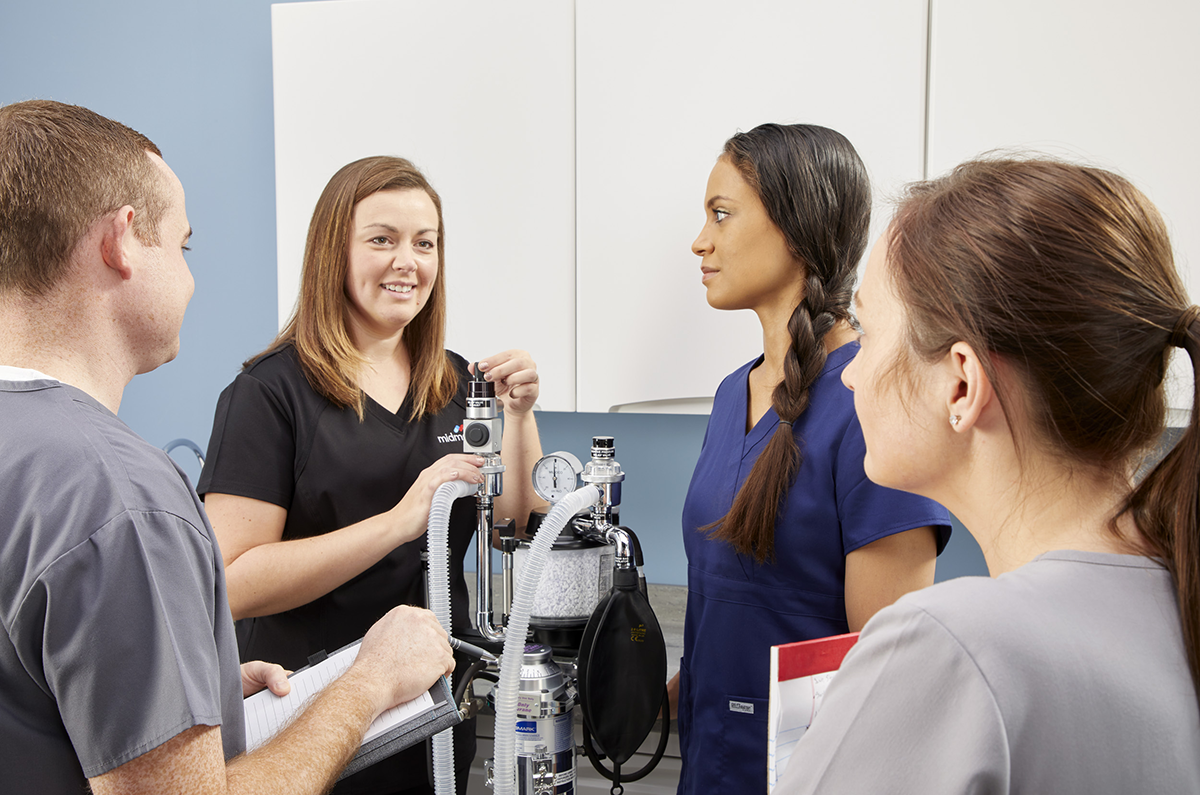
(267, 713)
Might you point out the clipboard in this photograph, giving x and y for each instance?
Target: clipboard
(800, 672)
(396, 729)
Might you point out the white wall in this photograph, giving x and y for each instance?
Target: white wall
(480, 97)
(571, 143)
(659, 88)
(1107, 82)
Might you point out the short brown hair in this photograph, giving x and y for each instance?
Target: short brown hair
(319, 328)
(1065, 273)
(61, 168)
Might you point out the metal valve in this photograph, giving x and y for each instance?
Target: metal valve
(543, 771)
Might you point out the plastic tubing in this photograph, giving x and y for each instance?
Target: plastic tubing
(514, 634)
(439, 603)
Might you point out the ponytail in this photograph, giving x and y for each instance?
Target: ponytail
(1066, 273)
(1166, 504)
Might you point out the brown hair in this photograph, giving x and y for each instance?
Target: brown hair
(319, 326)
(817, 193)
(62, 167)
(1066, 273)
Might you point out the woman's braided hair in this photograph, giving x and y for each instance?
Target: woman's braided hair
(816, 191)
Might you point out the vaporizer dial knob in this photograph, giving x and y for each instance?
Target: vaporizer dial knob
(556, 475)
(477, 434)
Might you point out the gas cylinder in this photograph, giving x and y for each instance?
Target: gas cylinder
(545, 744)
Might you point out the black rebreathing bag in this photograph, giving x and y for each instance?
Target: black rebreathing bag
(622, 666)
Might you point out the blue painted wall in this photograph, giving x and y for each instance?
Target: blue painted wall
(195, 76)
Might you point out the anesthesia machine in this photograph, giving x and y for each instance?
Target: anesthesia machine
(575, 592)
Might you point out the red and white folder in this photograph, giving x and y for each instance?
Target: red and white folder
(800, 672)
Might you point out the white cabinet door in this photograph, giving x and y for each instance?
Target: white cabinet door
(659, 87)
(1112, 83)
(481, 97)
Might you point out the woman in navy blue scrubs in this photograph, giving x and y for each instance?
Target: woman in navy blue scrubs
(786, 538)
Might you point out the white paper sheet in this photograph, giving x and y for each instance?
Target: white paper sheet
(267, 713)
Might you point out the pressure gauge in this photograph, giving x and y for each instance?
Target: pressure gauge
(556, 475)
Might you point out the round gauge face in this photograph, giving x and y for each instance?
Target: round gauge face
(556, 475)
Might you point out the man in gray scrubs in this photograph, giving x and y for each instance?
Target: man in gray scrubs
(118, 664)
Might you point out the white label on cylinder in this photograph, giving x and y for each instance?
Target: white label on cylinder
(554, 733)
(528, 704)
(563, 732)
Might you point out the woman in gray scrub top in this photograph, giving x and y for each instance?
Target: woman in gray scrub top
(1017, 319)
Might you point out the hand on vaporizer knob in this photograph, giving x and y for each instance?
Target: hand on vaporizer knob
(516, 378)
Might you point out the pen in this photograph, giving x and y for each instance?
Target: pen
(471, 649)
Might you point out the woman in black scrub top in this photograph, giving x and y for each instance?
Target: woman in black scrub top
(328, 446)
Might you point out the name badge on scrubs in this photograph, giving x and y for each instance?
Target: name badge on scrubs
(742, 707)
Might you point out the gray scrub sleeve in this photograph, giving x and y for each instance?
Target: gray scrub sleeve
(126, 623)
(908, 712)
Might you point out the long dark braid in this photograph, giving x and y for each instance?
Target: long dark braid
(816, 191)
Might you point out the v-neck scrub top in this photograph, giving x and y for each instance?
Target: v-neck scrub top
(277, 440)
(737, 608)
